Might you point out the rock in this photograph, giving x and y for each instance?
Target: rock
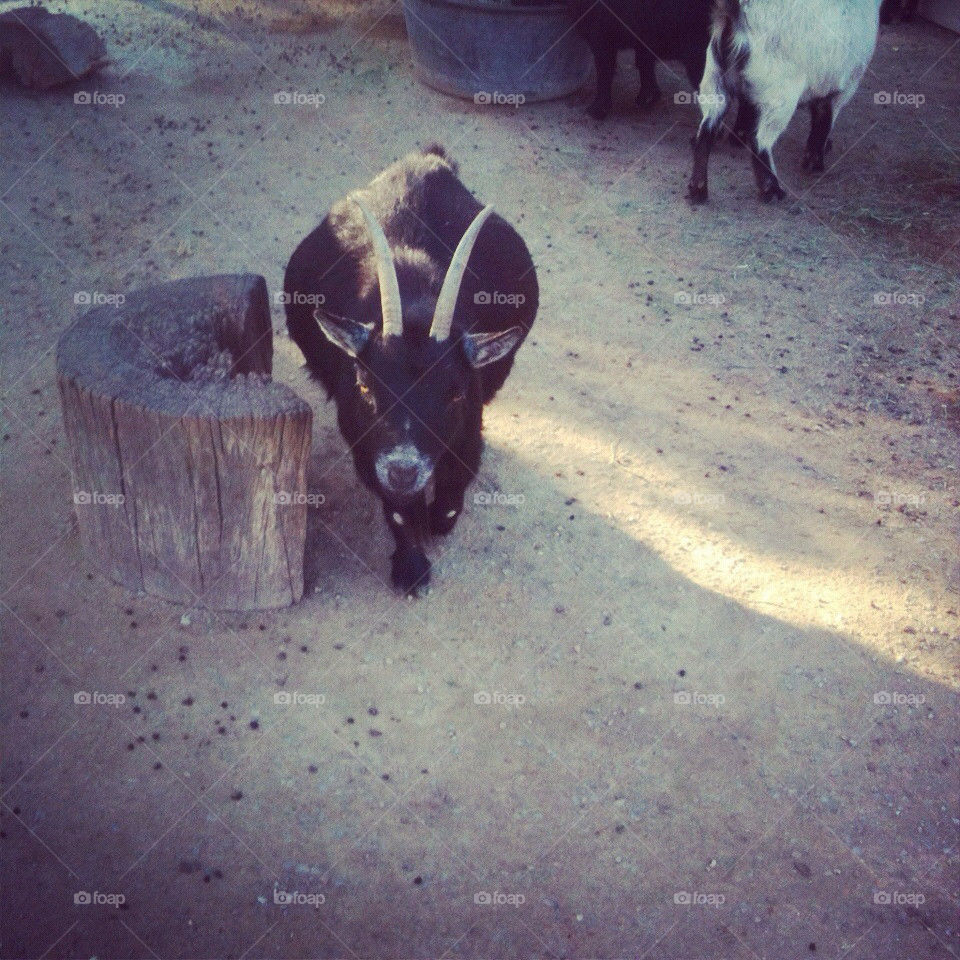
(40, 49)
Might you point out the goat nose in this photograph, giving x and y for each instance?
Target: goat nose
(402, 476)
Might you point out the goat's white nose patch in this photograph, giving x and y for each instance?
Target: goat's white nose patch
(407, 457)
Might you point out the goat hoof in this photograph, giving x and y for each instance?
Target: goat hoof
(410, 572)
(598, 111)
(697, 193)
(772, 191)
(443, 518)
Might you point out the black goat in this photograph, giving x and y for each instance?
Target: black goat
(654, 30)
(409, 302)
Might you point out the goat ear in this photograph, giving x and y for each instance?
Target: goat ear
(349, 335)
(484, 348)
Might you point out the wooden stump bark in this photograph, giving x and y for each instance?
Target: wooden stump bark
(189, 462)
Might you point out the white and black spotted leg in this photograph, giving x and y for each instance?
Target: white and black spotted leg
(714, 103)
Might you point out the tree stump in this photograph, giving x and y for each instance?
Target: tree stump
(189, 462)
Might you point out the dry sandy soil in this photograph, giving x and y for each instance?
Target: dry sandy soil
(748, 500)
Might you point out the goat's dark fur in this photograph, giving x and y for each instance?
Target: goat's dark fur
(411, 392)
(902, 10)
(654, 30)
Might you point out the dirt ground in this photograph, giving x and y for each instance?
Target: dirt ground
(688, 691)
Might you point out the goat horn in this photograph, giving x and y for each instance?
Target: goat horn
(390, 305)
(447, 301)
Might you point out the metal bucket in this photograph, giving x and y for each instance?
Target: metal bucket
(496, 53)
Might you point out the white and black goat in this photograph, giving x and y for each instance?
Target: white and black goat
(776, 55)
